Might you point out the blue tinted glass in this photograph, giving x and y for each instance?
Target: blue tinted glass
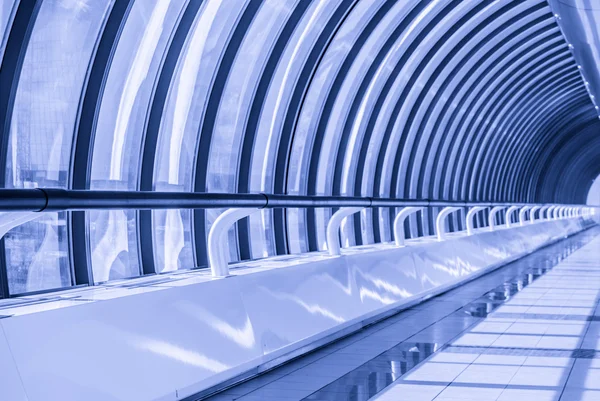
(41, 134)
(121, 123)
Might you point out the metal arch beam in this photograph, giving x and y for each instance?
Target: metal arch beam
(522, 60)
(532, 168)
(255, 112)
(431, 54)
(467, 20)
(535, 168)
(572, 165)
(470, 160)
(417, 183)
(417, 165)
(551, 146)
(529, 170)
(372, 119)
(152, 128)
(504, 110)
(482, 106)
(524, 108)
(578, 175)
(479, 165)
(575, 177)
(364, 85)
(583, 175)
(522, 112)
(356, 102)
(512, 164)
(525, 168)
(415, 108)
(532, 127)
(10, 73)
(85, 133)
(525, 130)
(408, 87)
(413, 168)
(292, 114)
(534, 190)
(211, 109)
(509, 184)
(325, 114)
(93, 89)
(535, 112)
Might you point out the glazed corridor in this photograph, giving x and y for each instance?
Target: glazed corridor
(194, 193)
(436, 100)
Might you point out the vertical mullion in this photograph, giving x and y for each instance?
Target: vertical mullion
(150, 139)
(10, 72)
(81, 162)
(286, 139)
(254, 117)
(201, 163)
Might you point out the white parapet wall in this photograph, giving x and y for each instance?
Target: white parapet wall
(168, 337)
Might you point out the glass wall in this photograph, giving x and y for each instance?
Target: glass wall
(7, 9)
(119, 132)
(54, 70)
(301, 97)
(181, 123)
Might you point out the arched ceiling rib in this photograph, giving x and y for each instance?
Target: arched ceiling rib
(441, 99)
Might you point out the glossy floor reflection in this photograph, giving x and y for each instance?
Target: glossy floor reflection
(530, 330)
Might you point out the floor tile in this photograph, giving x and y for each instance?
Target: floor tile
(487, 374)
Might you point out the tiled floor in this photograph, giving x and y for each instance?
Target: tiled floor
(528, 331)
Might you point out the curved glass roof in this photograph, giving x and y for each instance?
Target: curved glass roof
(439, 99)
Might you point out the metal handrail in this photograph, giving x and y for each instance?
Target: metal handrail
(51, 199)
(24, 205)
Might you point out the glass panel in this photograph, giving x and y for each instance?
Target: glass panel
(47, 99)
(296, 227)
(273, 114)
(313, 104)
(366, 220)
(344, 99)
(172, 239)
(261, 239)
(178, 137)
(36, 254)
(398, 126)
(237, 98)
(7, 8)
(367, 110)
(121, 122)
